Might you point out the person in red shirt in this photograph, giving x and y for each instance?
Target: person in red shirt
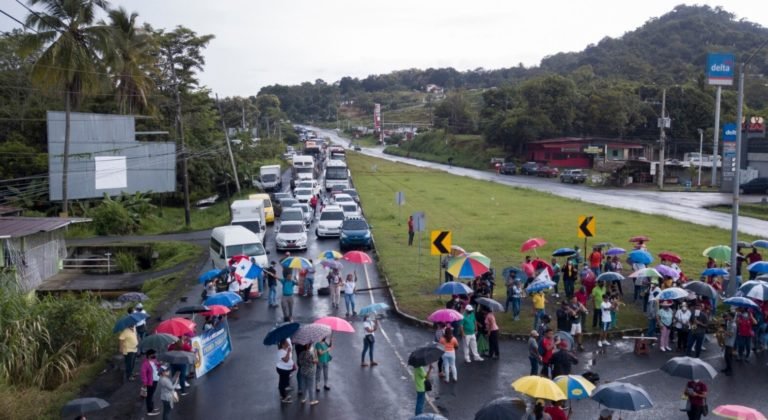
(548, 344)
(582, 296)
(595, 261)
(410, 230)
(697, 396)
(754, 256)
(556, 411)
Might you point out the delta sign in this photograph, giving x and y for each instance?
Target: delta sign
(720, 69)
(729, 132)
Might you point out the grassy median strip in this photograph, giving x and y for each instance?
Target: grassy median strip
(495, 219)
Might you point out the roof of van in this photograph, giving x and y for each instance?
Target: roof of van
(246, 203)
(237, 232)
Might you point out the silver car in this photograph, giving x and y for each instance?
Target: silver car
(291, 235)
(309, 214)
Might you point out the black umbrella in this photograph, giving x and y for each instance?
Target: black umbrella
(82, 406)
(502, 409)
(192, 309)
(689, 368)
(177, 357)
(156, 342)
(701, 289)
(491, 304)
(424, 356)
(132, 297)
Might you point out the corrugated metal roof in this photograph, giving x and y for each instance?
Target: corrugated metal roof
(16, 227)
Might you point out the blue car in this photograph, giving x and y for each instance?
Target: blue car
(355, 233)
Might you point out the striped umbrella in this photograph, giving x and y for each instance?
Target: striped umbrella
(330, 255)
(575, 387)
(311, 333)
(296, 262)
(467, 267)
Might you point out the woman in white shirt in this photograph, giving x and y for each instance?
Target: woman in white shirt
(284, 369)
(350, 284)
(682, 326)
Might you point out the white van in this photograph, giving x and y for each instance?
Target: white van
(250, 214)
(228, 241)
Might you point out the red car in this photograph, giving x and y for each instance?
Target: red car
(547, 172)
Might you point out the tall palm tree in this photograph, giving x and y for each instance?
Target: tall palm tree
(131, 61)
(70, 60)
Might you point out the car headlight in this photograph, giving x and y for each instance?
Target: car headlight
(301, 241)
(344, 235)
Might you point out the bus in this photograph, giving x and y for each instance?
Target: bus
(303, 167)
(336, 173)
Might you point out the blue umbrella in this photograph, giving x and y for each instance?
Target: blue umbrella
(758, 267)
(754, 289)
(374, 308)
(280, 333)
(760, 243)
(453, 288)
(640, 256)
(622, 396)
(509, 271)
(610, 276)
(673, 293)
(210, 275)
(741, 302)
(539, 285)
(129, 321)
(228, 299)
(714, 272)
(563, 252)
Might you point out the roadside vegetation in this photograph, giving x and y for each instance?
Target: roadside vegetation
(495, 219)
(756, 210)
(467, 150)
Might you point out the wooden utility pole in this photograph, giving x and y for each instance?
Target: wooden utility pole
(183, 151)
(662, 138)
(229, 146)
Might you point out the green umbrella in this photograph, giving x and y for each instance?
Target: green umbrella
(718, 252)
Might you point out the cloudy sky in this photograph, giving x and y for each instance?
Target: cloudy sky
(263, 42)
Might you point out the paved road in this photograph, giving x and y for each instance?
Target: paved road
(685, 206)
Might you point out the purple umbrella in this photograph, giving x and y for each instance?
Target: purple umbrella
(668, 271)
(615, 251)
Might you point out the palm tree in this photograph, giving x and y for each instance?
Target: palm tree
(70, 60)
(131, 61)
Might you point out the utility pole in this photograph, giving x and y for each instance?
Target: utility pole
(229, 146)
(701, 150)
(717, 134)
(662, 138)
(180, 132)
(244, 127)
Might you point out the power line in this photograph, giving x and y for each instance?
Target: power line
(55, 28)
(18, 21)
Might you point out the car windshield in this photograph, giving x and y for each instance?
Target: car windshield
(341, 198)
(291, 215)
(279, 196)
(355, 225)
(332, 215)
(267, 203)
(304, 185)
(352, 193)
(250, 250)
(269, 178)
(303, 191)
(288, 202)
(351, 208)
(291, 228)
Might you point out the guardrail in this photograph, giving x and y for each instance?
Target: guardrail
(90, 263)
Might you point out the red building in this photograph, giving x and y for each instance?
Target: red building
(580, 152)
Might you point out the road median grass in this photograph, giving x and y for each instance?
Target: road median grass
(495, 219)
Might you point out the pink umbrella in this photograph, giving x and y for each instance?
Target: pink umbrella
(336, 324)
(176, 326)
(216, 310)
(445, 315)
(738, 412)
(528, 269)
(357, 257)
(532, 243)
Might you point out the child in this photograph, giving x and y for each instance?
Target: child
(615, 303)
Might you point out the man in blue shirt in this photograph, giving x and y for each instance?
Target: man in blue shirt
(286, 302)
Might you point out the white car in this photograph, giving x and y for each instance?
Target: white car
(291, 235)
(311, 184)
(340, 199)
(309, 214)
(330, 222)
(303, 194)
(291, 214)
(351, 210)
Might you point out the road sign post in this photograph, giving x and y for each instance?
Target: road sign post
(400, 201)
(586, 228)
(440, 244)
(419, 225)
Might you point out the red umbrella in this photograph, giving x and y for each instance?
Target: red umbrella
(236, 259)
(532, 243)
(541, 264)
(216, 310)
(670, 256)
(176, 326)
(357, 257)
(640, 238)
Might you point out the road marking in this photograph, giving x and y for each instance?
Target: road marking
(386, 337)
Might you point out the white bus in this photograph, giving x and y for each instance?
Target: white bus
(336, 173)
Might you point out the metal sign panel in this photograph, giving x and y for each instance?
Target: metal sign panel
(720, 69)
(399, 198)
(419, 221)
(440, 242)
(729, 132)
(587, 226)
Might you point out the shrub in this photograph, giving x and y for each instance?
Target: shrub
(126, 262)
(110, 218)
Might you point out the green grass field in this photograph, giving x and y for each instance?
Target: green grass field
(495, 220)
(758, 211)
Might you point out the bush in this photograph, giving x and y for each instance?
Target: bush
(126, 262)
(110, 218)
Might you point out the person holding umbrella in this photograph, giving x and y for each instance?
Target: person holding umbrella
(166, 385)
(696, 391)
(699, 322)
(129, 345)
(323, 349)
(271, 275)
(420, 376)
(334, 283)
(150, 376)
(370, 328)
(350, 284)
(664, 318)
(570, 273)
(745, 322)
(284, 368)
(286, 300)
(181, 344)
(141, 326)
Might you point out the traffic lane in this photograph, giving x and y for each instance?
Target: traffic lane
(677, 205)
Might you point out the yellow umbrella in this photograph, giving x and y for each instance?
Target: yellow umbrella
(576, 387)
(539, 387)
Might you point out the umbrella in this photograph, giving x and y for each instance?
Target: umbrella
(453, 288)
(760, 243)
(755, 289)
(466, 267)
(760, 267)
(311, 333)
(645, 272)
(603, 245)
(615, 251)
(640, 256)
(228, 299)
(211, 274)
(718, 252)
(563, 252)
(373, 308)
(701, 289)
(330, 255)
(565, 337)
(575, 387)
(668, 271)
(502, 408)
(532, 243)
(480, 257)
(132, 297)
(156, 342)
(280, 333)
(670, 256)
(457, 250)
(129, 321)
(673, 293)
(538, 387)
(639, 238)
(622, 396)
(296, 262)
(216, 310)
(491, 304)
(541, 265)
(357, 257)
(177, 357)
(514, 272)
(714, 272)
(176, 327)
(331, 264)
(743, 244)
(539, 285)
(610, 276)
(689, 368)
(425, 356)
(738, 412)
(741, 302)
(445, 316)
(191, 309)
(428, 416)
(336, 324)
(82, 406)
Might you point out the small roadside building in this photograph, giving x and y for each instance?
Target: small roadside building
(581, 152)
(32, 248)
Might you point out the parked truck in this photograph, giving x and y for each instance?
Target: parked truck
(250, 214)
(269, 178)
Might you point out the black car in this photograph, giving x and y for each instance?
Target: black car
(508, 168)
(755, 186)
(529, 168)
